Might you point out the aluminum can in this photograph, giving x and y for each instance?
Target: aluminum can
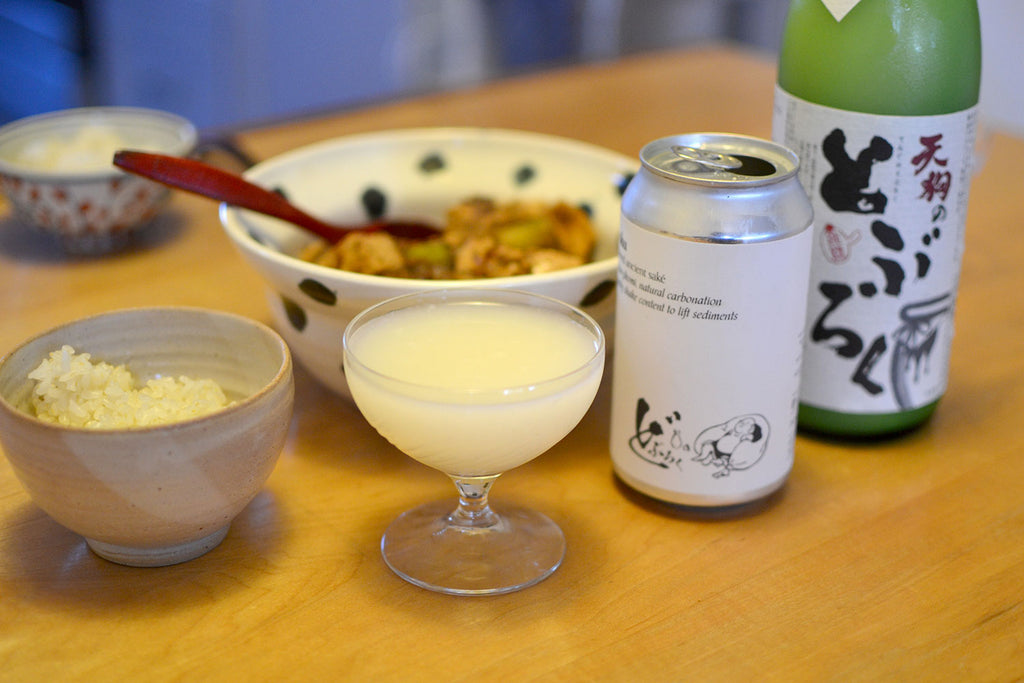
(714, 258)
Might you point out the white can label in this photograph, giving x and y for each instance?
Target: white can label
(708, 340)
(890, 202)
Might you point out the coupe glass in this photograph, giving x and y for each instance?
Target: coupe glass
(473, 382)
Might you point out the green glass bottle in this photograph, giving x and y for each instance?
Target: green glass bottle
(879, 100)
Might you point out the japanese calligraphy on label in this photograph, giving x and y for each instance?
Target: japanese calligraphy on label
(890, 200)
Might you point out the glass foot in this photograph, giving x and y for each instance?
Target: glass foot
(520, 548)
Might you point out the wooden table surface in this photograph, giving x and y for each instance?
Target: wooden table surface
(902, 559)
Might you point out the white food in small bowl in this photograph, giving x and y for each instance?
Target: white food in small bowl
(157, 494)
(56, 169)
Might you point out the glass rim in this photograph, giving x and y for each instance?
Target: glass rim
(480, 295)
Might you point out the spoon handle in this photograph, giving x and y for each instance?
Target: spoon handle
(209, 181)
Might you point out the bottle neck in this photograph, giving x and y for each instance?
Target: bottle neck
(885, 56)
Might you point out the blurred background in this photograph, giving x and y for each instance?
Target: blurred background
(231, 63)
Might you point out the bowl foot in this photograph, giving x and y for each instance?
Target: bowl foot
(158, 557)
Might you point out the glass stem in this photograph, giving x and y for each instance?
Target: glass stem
(474, 512)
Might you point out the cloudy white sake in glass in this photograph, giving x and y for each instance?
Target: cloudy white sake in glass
(473, 382)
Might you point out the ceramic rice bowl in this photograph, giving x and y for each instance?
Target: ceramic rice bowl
(419, 173)
(87, 209)
(159, 495)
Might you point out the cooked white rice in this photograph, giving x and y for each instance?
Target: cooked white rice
(74, 391)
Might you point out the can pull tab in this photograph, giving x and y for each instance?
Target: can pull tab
(705, 157)
(711, 161)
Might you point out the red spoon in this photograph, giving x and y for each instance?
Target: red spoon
(209, 181)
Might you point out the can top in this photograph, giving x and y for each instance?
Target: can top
(719, 160)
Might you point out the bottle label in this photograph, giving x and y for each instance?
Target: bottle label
(890, 202)
(708, 340)
(839, 8)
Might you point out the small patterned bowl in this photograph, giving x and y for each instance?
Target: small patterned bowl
(420, 173)
(164, 494)
(56, 171)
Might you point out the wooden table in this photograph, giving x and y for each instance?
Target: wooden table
(902, 559)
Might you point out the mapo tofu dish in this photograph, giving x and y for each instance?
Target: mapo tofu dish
(481, 238)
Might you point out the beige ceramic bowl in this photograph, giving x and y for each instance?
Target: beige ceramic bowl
(157, 495)
(420, 173)
(56, 171)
